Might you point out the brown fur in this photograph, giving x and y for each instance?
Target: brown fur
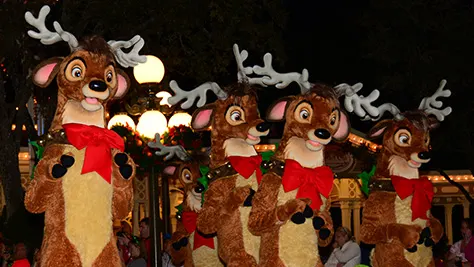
(387, 221)
(222, 212)
(79, 208)
(273, 207)
(191, 202)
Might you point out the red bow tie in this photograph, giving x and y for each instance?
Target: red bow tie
(189, 220)
(422, 191)
(246, 166)
(309, 182)
(98, 143)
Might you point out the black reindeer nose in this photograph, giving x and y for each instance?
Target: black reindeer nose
(424, 155)
(98, 86)
(199, 188)
(263, 127)
(322, 133)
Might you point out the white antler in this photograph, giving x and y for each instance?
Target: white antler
(432, 106)
(242, 73)
(362, 106)
(132, 58)
(281, 80)
(169, 151)
(44, 35)
(191, 96)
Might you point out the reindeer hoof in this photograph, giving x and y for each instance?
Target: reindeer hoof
(183, 242)
(308, 212)
(412, 249)
(425, 235)
(429, 242)
(248, 200)
(60, 169)
(298, 218)
(125, 169)
(318, 223)
(324, 233)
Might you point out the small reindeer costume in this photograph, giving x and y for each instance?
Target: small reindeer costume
(396, 216)
(84, 180)
(189, 246)
(291, 207)
(235, 165)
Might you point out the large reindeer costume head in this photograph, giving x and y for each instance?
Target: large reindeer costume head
(235, 166)
(84, 180)
(291, 206)
(397, 216)
(89, 77)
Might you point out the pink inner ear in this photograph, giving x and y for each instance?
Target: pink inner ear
(379, 132)
(202, 119)
(169, 170)
(122, 86)
(278, 111)
(42, 75)
(343, 129)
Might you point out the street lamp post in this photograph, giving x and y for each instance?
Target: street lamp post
(152, 71)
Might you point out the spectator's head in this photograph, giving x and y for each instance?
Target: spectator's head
(145, 228)
(467, 227)
(135, 250)
(343, 235)
(126, 227)
(19, 251)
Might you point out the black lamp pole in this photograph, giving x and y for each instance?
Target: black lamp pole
(165, 198)
(155, 233)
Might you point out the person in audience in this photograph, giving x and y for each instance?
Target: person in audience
(20, 255)
(137, 255)
(145, 238)
(346, 252)
(457, 255)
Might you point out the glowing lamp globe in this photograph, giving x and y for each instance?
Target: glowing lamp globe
(152, 122)
(180, 118)
(122, 120)
(164, 98)
(152, 71)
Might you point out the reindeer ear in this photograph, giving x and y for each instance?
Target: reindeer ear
(379, 129)
(202, 117)
(276, 112)
(170, 170)
(45, 72)
(123, 83)
(344, 128)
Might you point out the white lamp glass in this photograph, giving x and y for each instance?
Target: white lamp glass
(152, 71)
(152, 122)
(180, 118)
(121, 119)
(164, 98)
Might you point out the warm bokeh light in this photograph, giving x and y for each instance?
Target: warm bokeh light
(152, 122)
(152, 71)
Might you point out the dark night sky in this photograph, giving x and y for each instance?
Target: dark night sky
(325, 38)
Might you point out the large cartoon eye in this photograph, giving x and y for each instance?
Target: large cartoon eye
(235, 115)
(334, 119)
(109, 77)
(403, 138)
(186, 176)
(303, 112)
(76, 72)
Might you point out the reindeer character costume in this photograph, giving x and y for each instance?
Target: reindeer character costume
(291, 207)
(189, 246)
(396, 216)
(84, 180)
(234, 166)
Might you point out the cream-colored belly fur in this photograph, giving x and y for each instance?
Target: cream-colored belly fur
(205, 256)
(298, 243)
(423, 256)
(88, 209)
(251, 242)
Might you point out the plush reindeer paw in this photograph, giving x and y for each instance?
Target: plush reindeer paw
(320, 223)
(296, 209)
(409, 235)
(248, 200)
(183, 242)
(426, 238)
(126, 170)
(300, 217)
(60, 169)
